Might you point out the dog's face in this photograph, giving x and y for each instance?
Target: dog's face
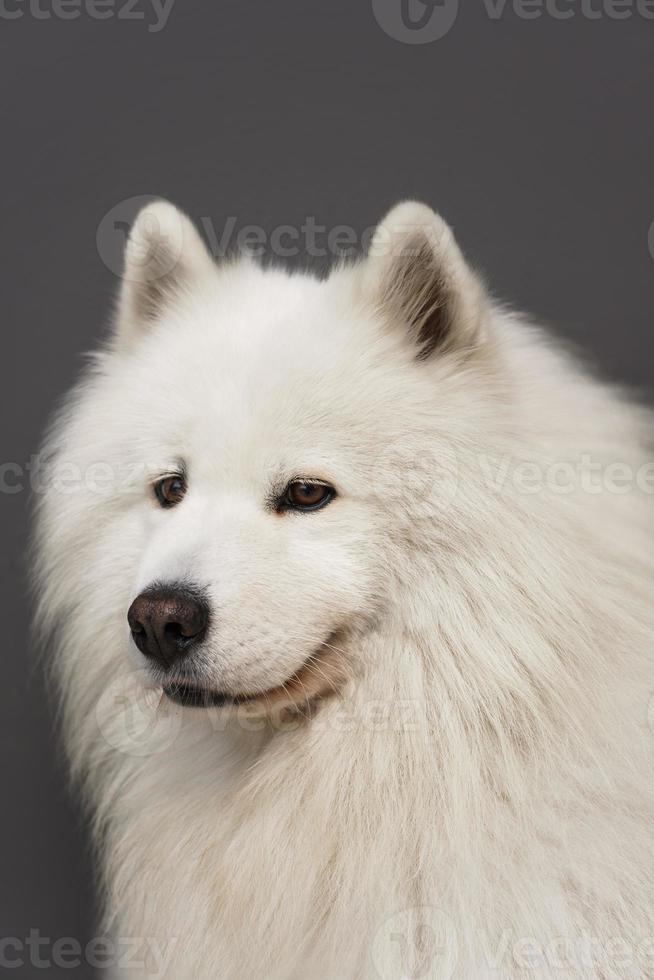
(259, 424)
(252, 524)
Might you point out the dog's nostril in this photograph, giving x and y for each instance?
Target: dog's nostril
(166, 621)
(180, 633)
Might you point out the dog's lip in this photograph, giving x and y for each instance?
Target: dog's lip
(190, 696)
(304, 686)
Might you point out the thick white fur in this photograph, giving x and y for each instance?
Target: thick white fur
(489, 758)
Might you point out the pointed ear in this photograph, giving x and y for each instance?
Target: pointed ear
(416, 275)
(164, 258)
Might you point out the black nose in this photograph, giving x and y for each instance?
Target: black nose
(167, 621)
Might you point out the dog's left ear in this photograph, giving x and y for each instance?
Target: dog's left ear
(416, 275)
(165, 258)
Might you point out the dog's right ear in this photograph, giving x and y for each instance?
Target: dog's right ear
(165, 257)
(417, 278)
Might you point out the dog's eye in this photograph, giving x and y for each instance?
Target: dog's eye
(170, 490)
(305, 495)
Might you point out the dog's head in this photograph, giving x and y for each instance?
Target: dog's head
(270, 442)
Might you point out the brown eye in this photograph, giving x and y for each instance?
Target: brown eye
(170, 490)
(304, 495)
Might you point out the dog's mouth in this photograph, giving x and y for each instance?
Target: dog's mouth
(322, 675)
(188, 696)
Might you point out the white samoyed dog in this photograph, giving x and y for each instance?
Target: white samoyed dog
(348, 585)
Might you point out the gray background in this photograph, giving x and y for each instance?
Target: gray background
(533, 137)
